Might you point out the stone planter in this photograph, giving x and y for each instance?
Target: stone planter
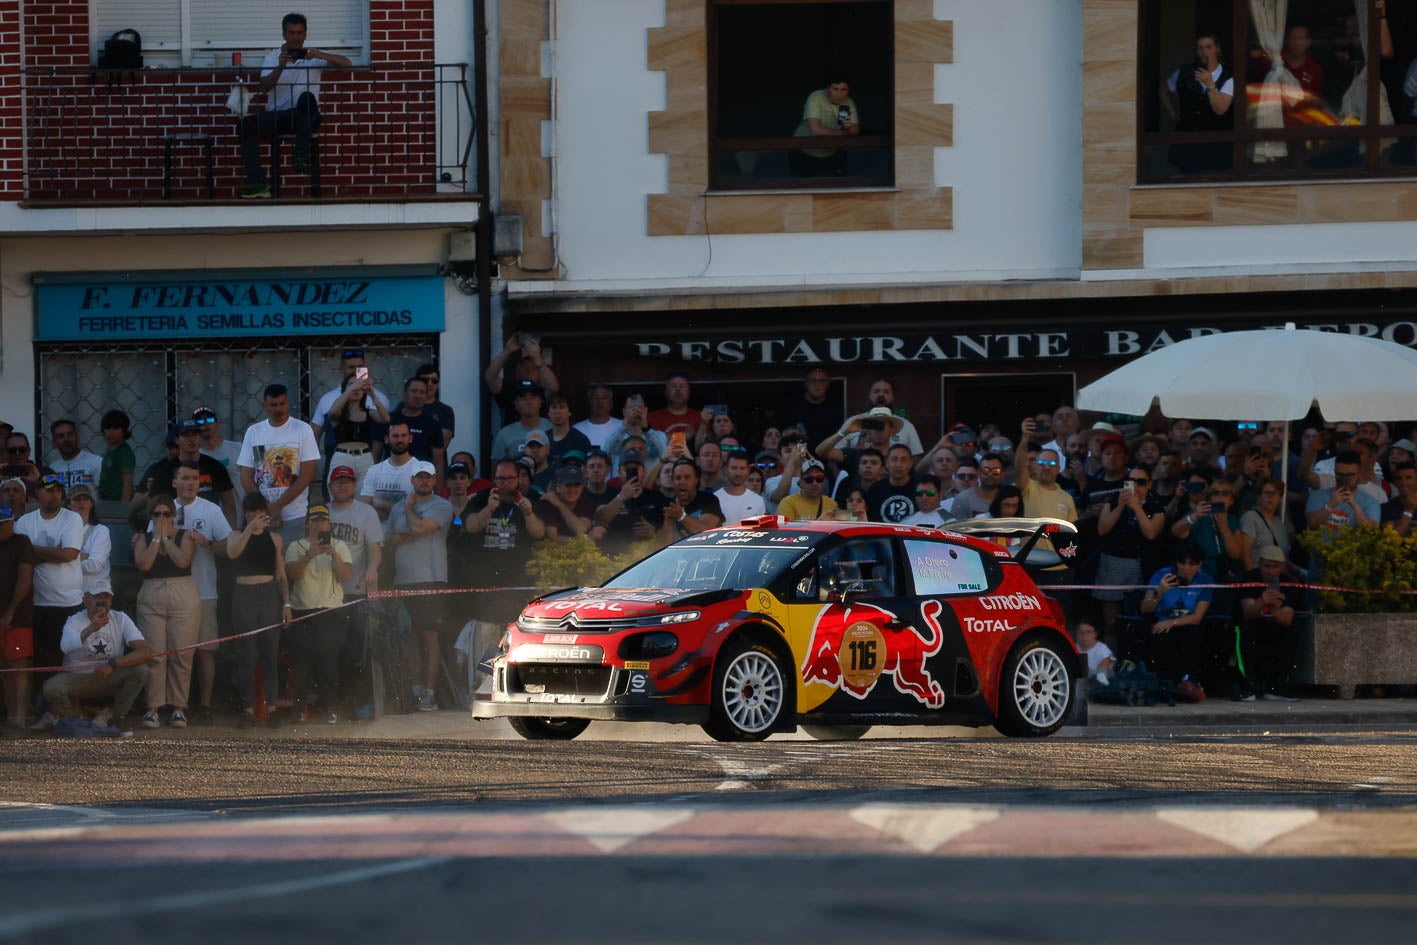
(1351, 650)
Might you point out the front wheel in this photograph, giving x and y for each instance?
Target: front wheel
(543, 730)
(1035, 688)
(749, 693)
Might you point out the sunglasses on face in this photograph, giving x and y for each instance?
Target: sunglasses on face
(162, 515)
(814, 479)
(926, 492)
(352, 353)
(206, 420)
(966, 477)
(17, 449)
(1052, 463)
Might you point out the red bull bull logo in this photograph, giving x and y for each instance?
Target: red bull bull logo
(851, 650)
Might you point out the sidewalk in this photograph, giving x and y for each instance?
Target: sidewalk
(1223, 712)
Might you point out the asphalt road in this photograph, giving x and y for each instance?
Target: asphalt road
(1304, 836)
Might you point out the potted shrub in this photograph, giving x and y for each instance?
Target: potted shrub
(1364, 638)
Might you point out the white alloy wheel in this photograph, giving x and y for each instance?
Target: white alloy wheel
(753, 691)
(1042, 687)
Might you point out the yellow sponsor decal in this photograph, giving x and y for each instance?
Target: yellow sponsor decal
(637, 664)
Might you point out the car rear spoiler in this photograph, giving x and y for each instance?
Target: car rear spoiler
(1061, 534)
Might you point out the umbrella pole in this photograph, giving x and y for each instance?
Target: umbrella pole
(1284, 475)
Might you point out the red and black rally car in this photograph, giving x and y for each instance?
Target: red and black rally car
(772, 624)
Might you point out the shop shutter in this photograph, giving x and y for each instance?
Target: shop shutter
(338, 25)
(159, 22)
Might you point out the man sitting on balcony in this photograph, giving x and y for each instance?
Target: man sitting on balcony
(290, 76)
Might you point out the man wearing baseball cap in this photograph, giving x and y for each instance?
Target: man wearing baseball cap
(417, 531)
(213, 481)
(58, 536)
(528, 404)
(108, 655)
(1269, 647)
(357, 525)
(809, 504)
(223, 451)
(16, 617)
(566, 510)
(636, 511)
(317, 566)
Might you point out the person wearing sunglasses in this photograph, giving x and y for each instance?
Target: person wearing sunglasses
(18, 464)
(1215, 528)
(169, 608)
(974, 502)
(809, 504)
(929, 491)
(1038, 481)
(224, 451)
(1129, 525)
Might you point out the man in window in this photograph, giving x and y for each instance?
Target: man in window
(1198, 96)
(829, 111)
(290, 77)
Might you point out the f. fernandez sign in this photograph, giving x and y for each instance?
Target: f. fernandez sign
(233, 308)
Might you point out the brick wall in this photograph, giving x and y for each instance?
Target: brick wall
(11, 103)
(104, 141)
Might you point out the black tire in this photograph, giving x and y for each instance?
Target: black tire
(749, 694)
(836, 733)
(1035, 688)
(547, 730)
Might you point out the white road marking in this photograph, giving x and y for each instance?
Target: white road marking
(1244, 828)
(610, 828)
(25, 923)
(924, 826)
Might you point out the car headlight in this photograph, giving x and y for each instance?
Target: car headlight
(685, 616)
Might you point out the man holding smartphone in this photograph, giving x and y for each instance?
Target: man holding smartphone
(290, 77)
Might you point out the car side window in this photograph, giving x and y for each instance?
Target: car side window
(940, 568)
(867, 563)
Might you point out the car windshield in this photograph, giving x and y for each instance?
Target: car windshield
(709, 568)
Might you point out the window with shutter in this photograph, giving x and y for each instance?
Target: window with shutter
(206, 32)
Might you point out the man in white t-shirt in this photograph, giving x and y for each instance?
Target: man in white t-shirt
(388, 483)
(290, 77)
(278, 457)
(74, 464)
(58, 536)
(209, 529)
(735, 498)
(226, 452)
(109, 655)
(599, 426)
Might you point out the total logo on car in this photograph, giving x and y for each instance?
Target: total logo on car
(834, 626)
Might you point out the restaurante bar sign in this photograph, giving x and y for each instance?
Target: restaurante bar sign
(971, 346)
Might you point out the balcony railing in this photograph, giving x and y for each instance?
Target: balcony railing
(144, 137)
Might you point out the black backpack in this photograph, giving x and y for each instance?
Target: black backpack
(122, 52)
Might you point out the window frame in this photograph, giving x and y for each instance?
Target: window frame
(192, 51)
(717, 145)
(1243, 135)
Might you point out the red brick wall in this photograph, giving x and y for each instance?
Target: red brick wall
(101, 141)
(11, 103)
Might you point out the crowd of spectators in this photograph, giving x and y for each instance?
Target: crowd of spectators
(294, 525)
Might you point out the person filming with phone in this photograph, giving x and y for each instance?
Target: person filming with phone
(316, 565)
(1177, 602)
(290, 77)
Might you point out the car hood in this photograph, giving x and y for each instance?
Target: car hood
(606, 603)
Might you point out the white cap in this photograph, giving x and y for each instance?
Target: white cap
(422, 466)
(97, 586)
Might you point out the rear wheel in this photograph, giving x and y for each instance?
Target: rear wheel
(541, 730)
(749, 693)
(1035, 688)
(836, 733)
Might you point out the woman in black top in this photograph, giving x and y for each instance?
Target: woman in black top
(1126, 526)
(354, 418)
(260, 598)
(169, 608)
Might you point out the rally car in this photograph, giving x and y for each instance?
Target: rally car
(770, 624)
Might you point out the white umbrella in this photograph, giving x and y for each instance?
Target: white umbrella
(1265, 375)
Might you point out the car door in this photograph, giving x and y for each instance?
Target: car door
(946, 580)
(860, 651)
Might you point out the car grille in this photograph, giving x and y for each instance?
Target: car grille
(571, 679)
(574, 624)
